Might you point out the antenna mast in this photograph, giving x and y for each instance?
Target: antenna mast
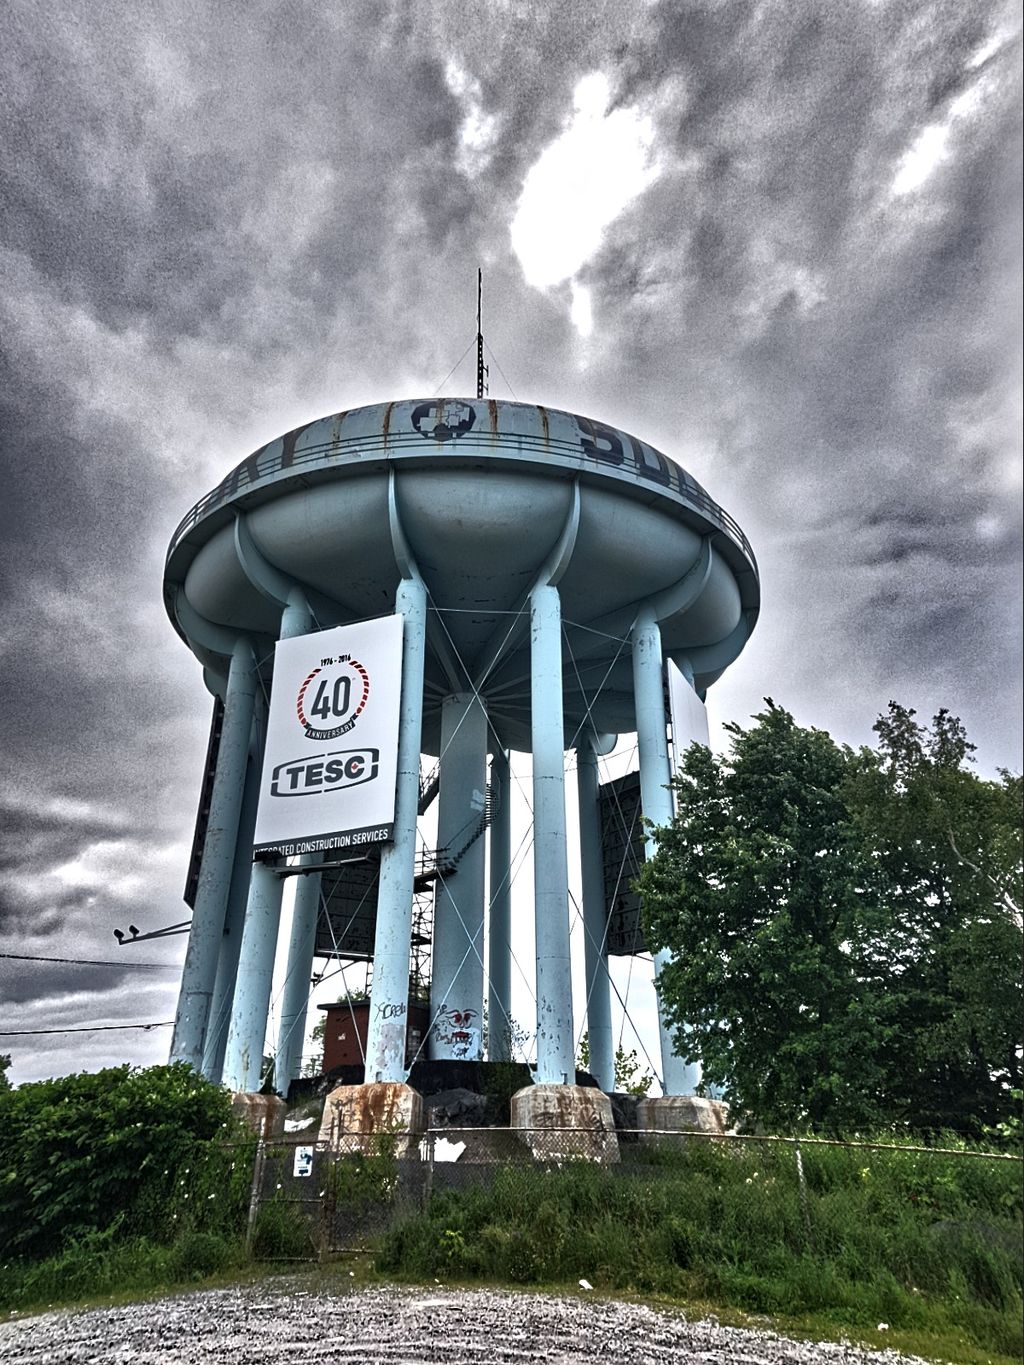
(481, 369)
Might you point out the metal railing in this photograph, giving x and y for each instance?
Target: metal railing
(257, 471)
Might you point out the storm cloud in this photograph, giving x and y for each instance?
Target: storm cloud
(221, 221)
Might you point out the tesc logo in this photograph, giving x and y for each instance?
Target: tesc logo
(319, 773)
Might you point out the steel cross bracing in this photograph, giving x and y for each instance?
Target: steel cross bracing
(591, 697)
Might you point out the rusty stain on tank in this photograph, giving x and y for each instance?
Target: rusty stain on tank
(545, 424)
(386, 428)
(492, 414)
(339, 417)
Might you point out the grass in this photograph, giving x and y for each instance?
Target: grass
(94, 1269)
(929, 1245)
(105, 1267)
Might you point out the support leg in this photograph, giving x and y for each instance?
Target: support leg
(499, 949)
(234, 923)
(243, 1055)
(200, 970)
(457, 976)
(295, 994)
(555, 1060)
(296, 619)
(599, 1020)
(656, 802)
(385, 1041)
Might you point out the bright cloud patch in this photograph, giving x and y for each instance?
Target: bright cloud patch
(477, 134)
(579, 185)
(918, 163)
(580, 312)
(930, 148)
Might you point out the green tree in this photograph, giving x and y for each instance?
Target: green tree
(845, 926)
(630, 1076)
(945, 849)
(5, 1062)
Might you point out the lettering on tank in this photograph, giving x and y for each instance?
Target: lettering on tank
(446, 421)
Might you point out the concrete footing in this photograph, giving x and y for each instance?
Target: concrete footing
(560, 1122)
(356, 1117)
(680, 1114)
(263, 1113)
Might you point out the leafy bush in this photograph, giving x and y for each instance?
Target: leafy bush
(113, 1151)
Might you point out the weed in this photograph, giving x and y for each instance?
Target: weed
(921, 1242)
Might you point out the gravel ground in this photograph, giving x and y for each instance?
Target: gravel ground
(280, 1324)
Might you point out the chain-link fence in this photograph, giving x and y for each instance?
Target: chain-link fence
(309, 1199)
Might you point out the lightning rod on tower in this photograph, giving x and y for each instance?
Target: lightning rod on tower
(481, 369)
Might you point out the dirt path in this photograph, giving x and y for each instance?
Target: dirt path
(277, 1324)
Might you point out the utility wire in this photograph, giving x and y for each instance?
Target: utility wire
(89, 962)
(90, 1028)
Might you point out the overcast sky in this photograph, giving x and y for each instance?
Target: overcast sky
(779, 241)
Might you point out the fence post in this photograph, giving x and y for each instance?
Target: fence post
(428, 1184)
(254, 1194)
(804, 1204)
(323, 1170)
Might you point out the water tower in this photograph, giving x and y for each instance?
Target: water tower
(545, 568)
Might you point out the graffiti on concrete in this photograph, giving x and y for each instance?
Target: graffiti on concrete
(454, 1030)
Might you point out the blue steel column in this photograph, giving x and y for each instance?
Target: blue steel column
(297, 620)
(243, 1055)
(385, 1040)
(200, 970)
(555, 1059)
(234, 921)
(295, 994)
(599, 1017)
(499, 946)
(656, 802)
(457, 973)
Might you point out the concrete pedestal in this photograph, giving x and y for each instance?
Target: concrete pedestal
(562, 1122)
(356, 1117)
(680, 1114)
(263, 1113)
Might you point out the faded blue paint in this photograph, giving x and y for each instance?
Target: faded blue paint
(599, 1018)
(457, 969)
(199, 972)
(499, 431)
(556, 1062)
(243, 1054)
(678, 1078)
(385, 1040)
(499, 927)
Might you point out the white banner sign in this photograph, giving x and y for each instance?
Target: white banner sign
(331, 759)
(689, 715)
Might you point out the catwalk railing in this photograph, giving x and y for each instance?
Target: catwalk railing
(262, 469)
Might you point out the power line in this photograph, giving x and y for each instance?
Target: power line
(88, 962)
(89, 1028)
